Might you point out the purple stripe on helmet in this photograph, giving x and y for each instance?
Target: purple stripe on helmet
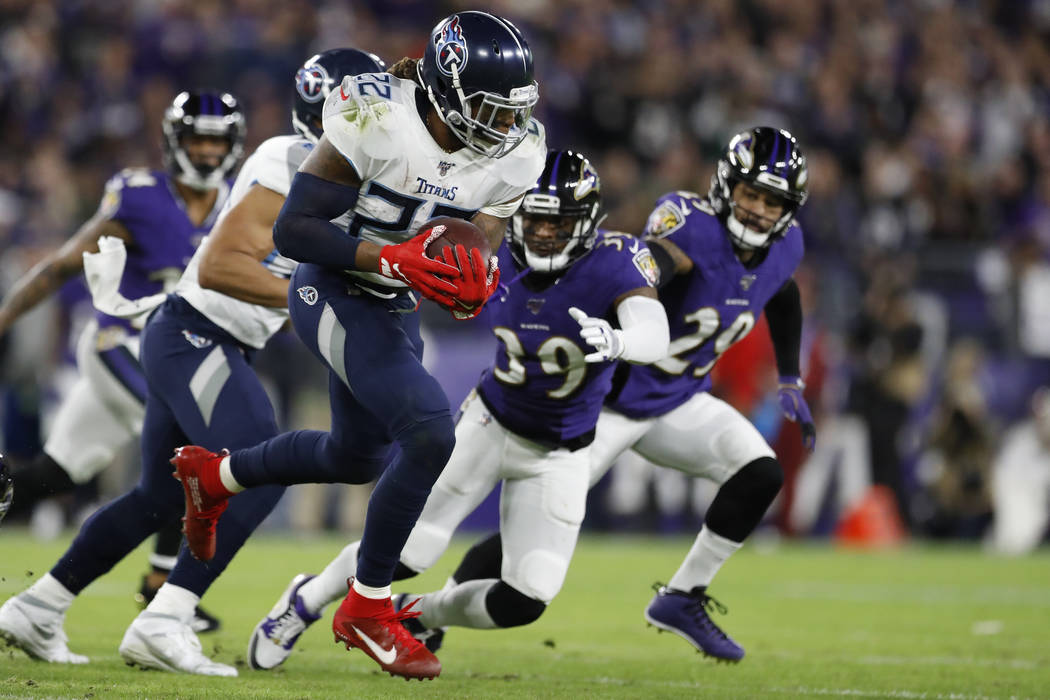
(772, 162)
(552, 185)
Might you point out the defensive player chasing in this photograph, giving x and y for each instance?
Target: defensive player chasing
(530, 423)
(161, 216)
(722, 261)
(196, 351)
(455, 141)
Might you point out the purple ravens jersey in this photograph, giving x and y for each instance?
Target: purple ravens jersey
(709, 309)
(540, 387)
(147, 204)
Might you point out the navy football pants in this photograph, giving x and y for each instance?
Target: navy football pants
(380, 394)
(201, 391)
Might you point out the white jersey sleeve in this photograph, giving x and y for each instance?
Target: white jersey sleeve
(272, 165)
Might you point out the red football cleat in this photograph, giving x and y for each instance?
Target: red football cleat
(193, 467)
(374, 627)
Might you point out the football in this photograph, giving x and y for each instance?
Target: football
(453, 232)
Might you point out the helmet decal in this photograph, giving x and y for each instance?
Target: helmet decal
(588, 181)
(310, 82)
(451, 48)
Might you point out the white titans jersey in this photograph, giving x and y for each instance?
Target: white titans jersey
(272, 165)
(406, 178)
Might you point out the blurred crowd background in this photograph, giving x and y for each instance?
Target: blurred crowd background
(927, 276)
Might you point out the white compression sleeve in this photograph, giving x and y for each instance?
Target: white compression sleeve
(643, 329)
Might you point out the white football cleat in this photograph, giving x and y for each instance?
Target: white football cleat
(166, 643)
(36, 628)
(275, 635)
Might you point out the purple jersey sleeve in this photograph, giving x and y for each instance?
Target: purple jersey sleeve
(713, 306)
(539, 386)
(147, 204)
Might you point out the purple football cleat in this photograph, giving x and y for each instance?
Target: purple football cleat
(685, 614)
(273, 638)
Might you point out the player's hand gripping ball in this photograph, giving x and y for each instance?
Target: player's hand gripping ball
(464, 246)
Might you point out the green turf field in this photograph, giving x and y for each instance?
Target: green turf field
(816, 622)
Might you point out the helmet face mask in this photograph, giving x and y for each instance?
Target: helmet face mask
(769, 161)
(204, 114)
(557, 222)
(477, 73)
(316, 79)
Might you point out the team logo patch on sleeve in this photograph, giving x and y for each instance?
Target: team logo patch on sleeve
(665, 219)
(643, 260)
(197, 341)
(307, 294)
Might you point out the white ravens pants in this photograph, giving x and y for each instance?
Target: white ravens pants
(542, 503)
(704, 437)
(105, 409)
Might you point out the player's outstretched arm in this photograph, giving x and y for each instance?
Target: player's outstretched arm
(643, 335)
(238, 243)
(784, 315)
(53, 271)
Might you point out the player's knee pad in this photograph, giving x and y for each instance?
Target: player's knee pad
(539, 574)
(763, 477)
(508, 607)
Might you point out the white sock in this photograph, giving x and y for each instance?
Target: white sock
(373, 592)
(703, 561)
(330, 584)
(463, 605)
(49, 591)
(174, 601)
(226, 476)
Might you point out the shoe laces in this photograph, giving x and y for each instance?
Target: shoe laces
(288, 626)
(699, 605)
(395, 620)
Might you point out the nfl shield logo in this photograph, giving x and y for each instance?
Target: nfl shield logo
(746, 281)
(308, 294)
(444, 166)
(534, 305)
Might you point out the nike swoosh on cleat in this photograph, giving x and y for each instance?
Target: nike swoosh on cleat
(44, 633)
(384, 656)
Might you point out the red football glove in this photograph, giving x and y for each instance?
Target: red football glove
(474, 287)
(407, 262)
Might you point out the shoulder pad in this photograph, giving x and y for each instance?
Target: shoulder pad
(369, 112)
(527, 160)
(671, 212)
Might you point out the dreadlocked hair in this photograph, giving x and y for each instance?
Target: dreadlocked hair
(405, 69)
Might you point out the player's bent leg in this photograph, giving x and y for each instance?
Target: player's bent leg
(709, 438)
(472, 472)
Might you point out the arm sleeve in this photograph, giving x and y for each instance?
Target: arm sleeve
(643, 329)
(304, 230)
(784, 316)
(664, 263)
